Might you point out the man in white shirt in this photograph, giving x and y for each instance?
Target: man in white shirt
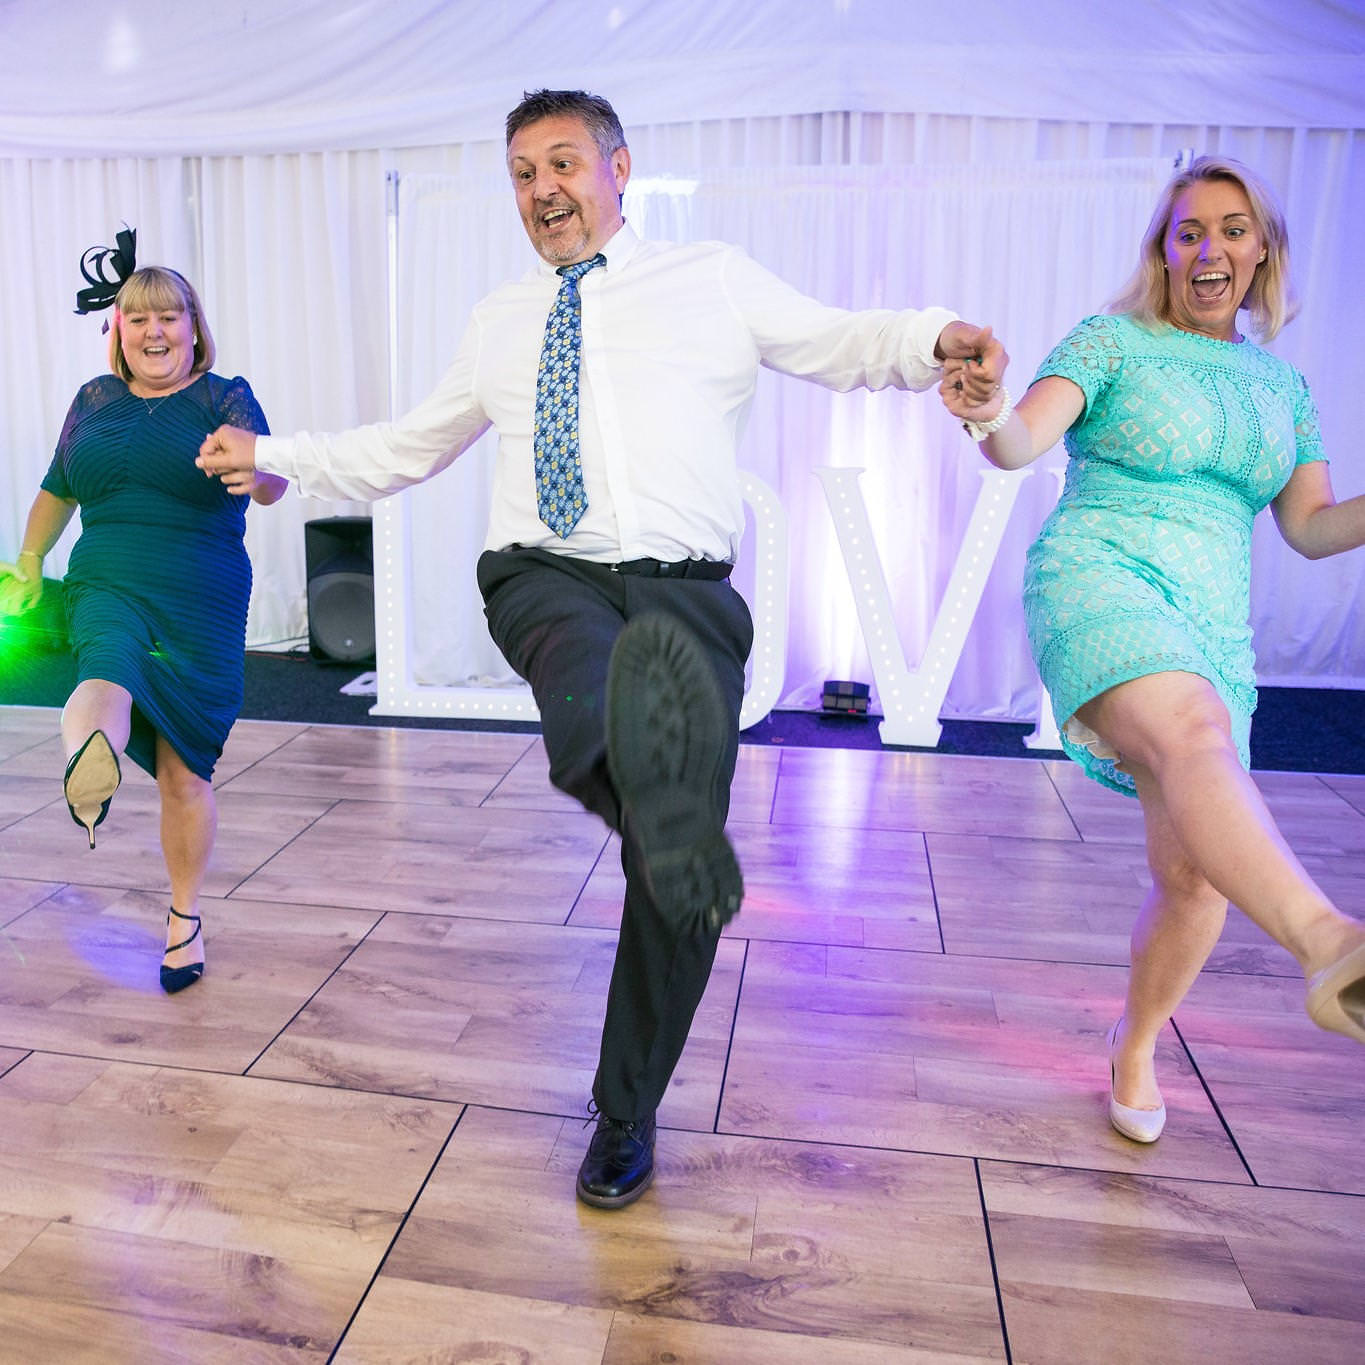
(605, 570)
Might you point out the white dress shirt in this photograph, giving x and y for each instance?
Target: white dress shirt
(673, 336)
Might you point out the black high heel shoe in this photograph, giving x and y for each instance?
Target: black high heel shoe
(177, 978)
(92, 778)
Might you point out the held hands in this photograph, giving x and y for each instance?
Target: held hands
(21, 585)
(973, 368)
(230, 454)
(963, 342)
(963, 394)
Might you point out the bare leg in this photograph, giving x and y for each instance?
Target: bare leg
(97, 705)
(1176, 931)
(189, 822)
(1176, 727)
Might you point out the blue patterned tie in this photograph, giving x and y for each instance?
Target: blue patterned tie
(560, 499)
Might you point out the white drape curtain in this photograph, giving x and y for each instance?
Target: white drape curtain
(1024, 223)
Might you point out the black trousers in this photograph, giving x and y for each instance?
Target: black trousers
(555, 619)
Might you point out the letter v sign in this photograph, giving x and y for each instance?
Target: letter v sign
(912, 698)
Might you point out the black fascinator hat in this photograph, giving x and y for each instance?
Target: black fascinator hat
(105, 268)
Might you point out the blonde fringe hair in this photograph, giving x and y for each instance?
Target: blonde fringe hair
(1270, 301)
(156, 289)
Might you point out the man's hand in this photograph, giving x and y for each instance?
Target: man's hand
(986, 359)
(960, 400)
(230, 454)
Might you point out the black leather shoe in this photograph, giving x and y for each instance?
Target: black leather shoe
(619, 1166)
(667, 731)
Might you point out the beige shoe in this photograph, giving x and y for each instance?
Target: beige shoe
(1336, 995)
(92, 778)
(1141, 1125)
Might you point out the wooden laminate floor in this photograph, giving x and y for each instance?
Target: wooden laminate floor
(886, 1141)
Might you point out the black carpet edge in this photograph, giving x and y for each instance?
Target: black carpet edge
(1295, 729)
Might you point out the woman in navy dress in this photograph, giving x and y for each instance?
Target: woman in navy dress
(158, 582)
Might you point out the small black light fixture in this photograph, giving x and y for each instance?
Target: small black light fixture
(844, 698)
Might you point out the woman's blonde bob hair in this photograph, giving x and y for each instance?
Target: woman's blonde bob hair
(155, 289)
(1270, 300)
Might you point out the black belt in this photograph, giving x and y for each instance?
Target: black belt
(681, 568)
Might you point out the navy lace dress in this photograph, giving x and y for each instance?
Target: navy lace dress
(159, 581)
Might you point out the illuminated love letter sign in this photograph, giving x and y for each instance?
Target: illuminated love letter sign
(768, 661)
(400, 694)
(912, 698)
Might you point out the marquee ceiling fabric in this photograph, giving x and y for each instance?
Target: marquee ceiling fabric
(153, 78)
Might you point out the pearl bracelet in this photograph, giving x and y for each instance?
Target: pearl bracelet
(978, 431)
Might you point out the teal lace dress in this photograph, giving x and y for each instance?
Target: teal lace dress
(1144, 564)
(158, 583)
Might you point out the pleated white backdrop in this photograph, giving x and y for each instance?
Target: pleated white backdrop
(1024, 223)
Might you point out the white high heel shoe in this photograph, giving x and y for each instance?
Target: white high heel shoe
(1141, 1125)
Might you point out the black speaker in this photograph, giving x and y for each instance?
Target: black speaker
(339, 560)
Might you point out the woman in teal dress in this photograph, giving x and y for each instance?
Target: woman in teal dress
(158, 582)
(1136, 594)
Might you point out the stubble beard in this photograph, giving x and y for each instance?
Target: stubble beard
(562, 251)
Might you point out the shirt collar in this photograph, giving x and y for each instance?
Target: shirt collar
(618, 249)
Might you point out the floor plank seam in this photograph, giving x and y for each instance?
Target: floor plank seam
(511, 767)
(397, 1233)
(583, 885)
(255, 762)
(777, 786)
(109, 1060)
(990, 1253)
(57, 889)
(1033, 1163)
(38, 881)
(1052, 781)
(1226, 972)
(1313, 1189)
(933, 892)
(288, 843)
(350, 952)
(1217, 1108)
(1241, 1276)
(18, 1061)
(730, 1041)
